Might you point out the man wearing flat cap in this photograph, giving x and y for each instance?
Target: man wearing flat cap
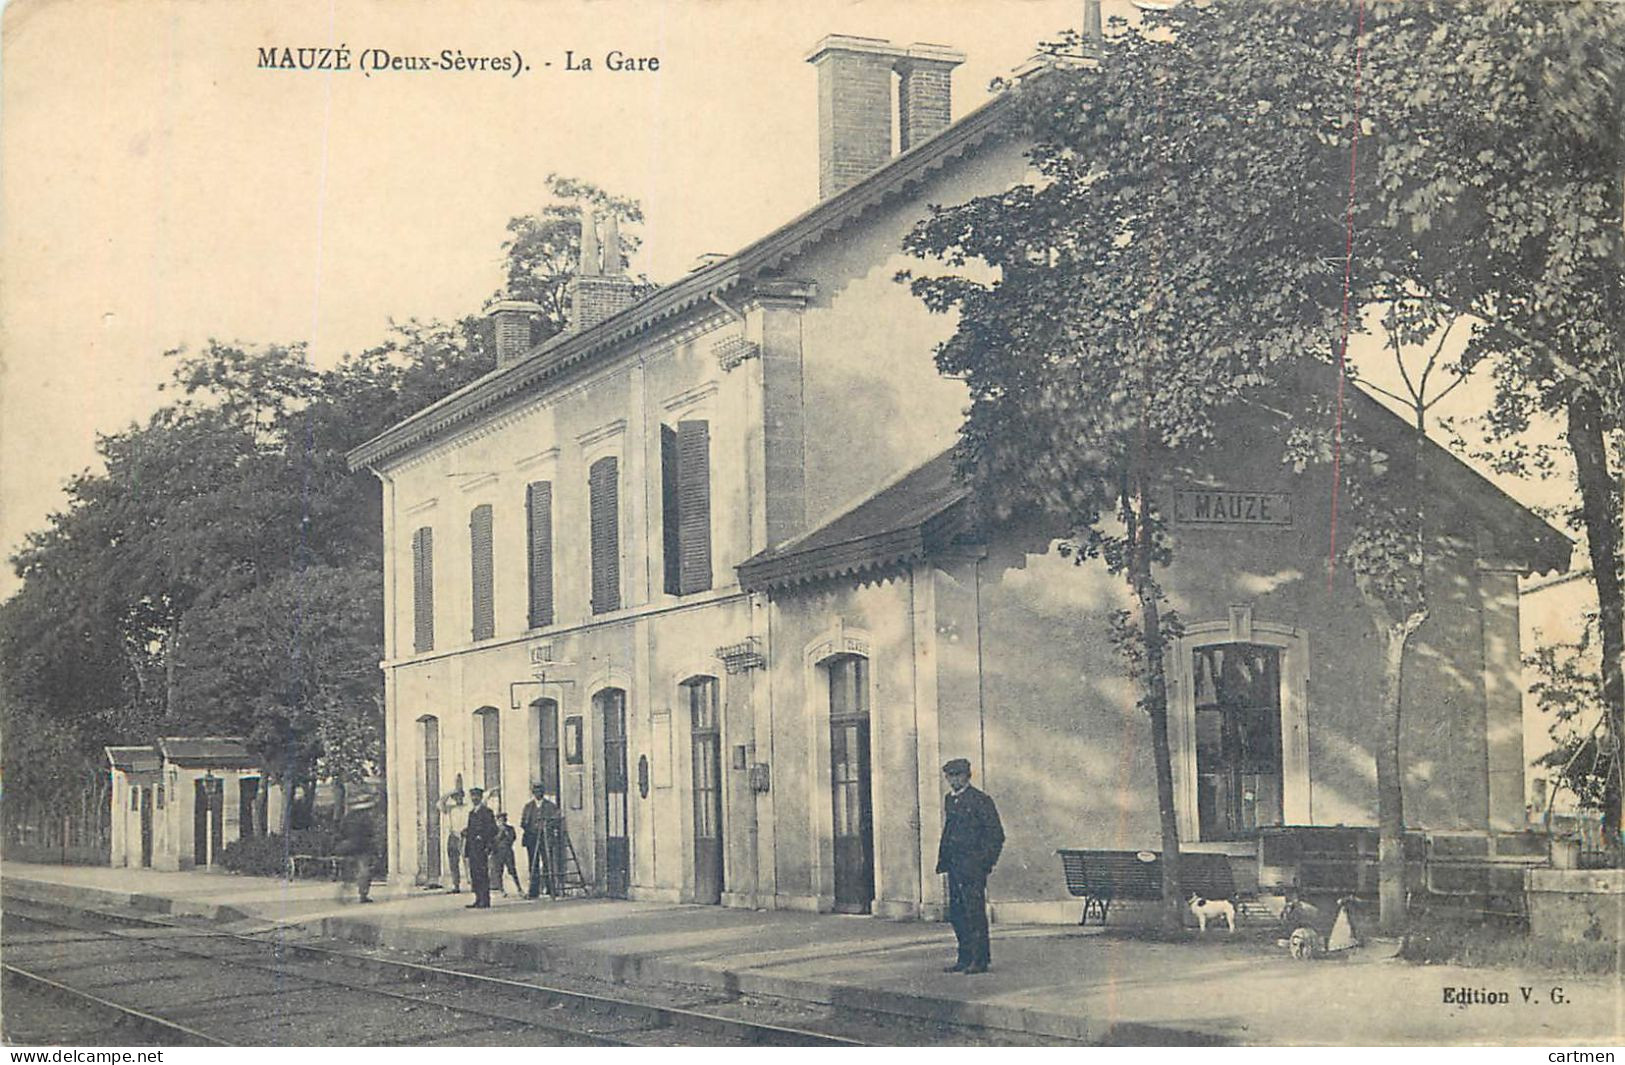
(479, 838)
(972, 838)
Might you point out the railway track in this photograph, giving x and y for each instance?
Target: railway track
(199, 986)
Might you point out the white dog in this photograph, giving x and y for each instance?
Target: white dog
(1211, 910)
(1306, 944)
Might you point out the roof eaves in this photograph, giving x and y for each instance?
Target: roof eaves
(566, 350)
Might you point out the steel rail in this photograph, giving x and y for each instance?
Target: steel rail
(120, 1012)
(314, 980)
(657, 1016)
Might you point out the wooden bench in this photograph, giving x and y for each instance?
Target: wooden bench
(1100, 877)
(331, 865)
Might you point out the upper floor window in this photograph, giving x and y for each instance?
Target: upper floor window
(685, 465)
(603, 489)
(539, 520)
(423, 589)
(479, 552)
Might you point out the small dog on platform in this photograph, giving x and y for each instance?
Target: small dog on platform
(1306, 944)
(1211, 910)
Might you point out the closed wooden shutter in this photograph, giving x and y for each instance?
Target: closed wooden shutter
(694, 503)
(479, 547)
(423, 589)
(604, 505)
(669, 507)
(539, 511)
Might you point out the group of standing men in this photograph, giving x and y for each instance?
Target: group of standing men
(487, 842)
(972, 839)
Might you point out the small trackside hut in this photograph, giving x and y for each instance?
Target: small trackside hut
(176, 804)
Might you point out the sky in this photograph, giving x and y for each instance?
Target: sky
(158, 189)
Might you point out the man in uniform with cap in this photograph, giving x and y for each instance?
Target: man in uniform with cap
(972, 839)
(479, 838)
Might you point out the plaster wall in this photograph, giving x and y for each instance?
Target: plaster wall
(876, 406)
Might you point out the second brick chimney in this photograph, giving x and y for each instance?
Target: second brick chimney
(855, 103)
(600, 288)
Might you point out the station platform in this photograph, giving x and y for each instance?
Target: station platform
(1070, 983)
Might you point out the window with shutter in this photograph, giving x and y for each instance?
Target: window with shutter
(694, 504)
(685, 462)
(671, 524)
(423, 589)
(604, 505)
(479, 549)
(539, 511)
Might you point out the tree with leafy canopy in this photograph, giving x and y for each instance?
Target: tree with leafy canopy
(1202, 189)
(1141, 289)
(291, 665)
(1512, 171)
(220, 573)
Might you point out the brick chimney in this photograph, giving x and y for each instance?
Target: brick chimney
(600, 288)
(925, 76)
(855, 103)
(512, 320)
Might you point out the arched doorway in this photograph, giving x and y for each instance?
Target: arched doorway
(609, 705)
(548, 770)
(851, 792)
(705, 730)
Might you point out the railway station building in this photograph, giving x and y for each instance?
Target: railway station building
(700, 567)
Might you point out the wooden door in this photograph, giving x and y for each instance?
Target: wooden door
(200, 823)
(247, 795)
(707, 777)
(146, 828)
(429, 797)
(217, 827)
(617, 846)
(854, 836)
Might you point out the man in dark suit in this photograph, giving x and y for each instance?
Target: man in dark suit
(972, 839)
(479, 838)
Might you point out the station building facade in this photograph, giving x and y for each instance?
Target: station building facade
(699, 566)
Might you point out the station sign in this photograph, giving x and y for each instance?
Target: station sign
(1211, 506)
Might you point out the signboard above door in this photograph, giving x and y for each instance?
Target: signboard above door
(1215, 506)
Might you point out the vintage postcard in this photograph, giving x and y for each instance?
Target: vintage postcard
(721, 523)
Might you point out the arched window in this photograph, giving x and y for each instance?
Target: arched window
(547, 736)
(490, 736)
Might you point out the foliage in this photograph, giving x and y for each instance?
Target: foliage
(291, 665)
(1569, 691)
(267, 855)
(220, 573)
(543, 249)
(1154, 277)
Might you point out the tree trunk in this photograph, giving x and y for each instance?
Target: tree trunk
(1396, 635)
(1587, 442)
(1156, 705)
(169, 670)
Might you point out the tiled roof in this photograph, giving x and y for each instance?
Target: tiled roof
(558, 354)
(903, 522)
(223, 752)
(925, 511)
(133, 759)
